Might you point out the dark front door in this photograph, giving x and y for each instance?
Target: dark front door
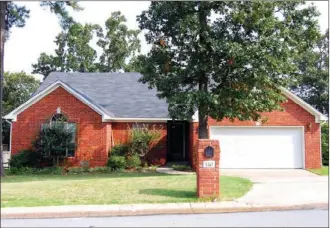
(177, 141)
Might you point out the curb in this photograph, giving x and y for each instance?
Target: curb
(145, 209)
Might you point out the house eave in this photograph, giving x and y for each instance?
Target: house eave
(319, 117)
(137, 119)
(13, 114)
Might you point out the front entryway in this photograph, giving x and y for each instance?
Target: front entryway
(177, 133)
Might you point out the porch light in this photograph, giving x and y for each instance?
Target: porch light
(58, 110)
(309, 126)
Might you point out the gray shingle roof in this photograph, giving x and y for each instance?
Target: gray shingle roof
(119, 94)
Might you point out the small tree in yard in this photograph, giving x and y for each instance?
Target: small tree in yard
(55, 142)
(226, 59)
(142, 139)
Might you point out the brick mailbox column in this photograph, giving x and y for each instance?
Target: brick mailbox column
(208, 168)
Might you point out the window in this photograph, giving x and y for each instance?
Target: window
(61, 121)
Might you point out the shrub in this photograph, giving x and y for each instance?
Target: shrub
(181, 167)
(55, 141)
(76, 170)
(25, 158)
(50, 170)
(119, 150)
(133, 161)
(141, 140)
(325, 144)
(99, 169)
(116, 162)
(153, 167)
(35, 171)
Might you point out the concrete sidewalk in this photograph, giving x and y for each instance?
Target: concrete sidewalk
(145, 209)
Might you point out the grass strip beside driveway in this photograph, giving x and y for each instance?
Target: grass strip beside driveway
(324, 171)
(105, 189)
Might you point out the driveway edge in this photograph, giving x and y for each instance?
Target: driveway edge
(145, 209)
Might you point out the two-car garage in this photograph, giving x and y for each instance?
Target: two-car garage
(260, 146)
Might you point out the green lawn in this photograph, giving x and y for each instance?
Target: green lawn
(118, 188)
(324, 171)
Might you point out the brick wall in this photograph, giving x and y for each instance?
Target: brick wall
(92, 135)
(158, 154)
(294, 115)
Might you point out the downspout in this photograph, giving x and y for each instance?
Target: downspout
(112, 142)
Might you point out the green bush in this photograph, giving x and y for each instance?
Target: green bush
(119, 150)
(25, 158)
(181, 167)
(325, 144)
(99, 169)
(141, 140)
(50, 170)
(55, 141)
(76, 170)
(116, 163)
(133, 162)
(35, 171)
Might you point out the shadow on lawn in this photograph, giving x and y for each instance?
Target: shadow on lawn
(169, 192)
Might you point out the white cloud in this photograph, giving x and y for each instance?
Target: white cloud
(25, 44)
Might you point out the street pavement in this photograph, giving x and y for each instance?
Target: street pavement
(297, 218)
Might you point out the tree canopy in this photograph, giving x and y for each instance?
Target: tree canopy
(118, 44)
(225, 59)
(75, 52)
(17, 88)
(313, 83)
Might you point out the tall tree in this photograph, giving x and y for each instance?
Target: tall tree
(17, 88)
(3, 6)
(136, 64)
(13, 15)
(224, 59)
(313, 83)
(118, 44)
(73, 52)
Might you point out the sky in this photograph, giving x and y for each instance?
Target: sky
(25, 44)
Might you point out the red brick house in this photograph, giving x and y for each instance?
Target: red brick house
(104, 106)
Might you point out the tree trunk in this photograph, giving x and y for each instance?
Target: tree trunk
(203, 124)
(3, 7)
(203, 81)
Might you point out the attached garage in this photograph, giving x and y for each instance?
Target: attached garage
(260, 147)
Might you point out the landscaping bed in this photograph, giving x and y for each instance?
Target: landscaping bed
(109, 188)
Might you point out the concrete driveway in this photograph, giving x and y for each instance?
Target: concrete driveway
(282, 186)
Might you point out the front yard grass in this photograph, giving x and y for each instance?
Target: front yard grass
(324, 171)
(114, 188)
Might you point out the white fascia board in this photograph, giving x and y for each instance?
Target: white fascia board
(132, 119)
(319, 117)
(13, 115)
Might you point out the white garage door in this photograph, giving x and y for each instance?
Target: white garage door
(259, 147)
